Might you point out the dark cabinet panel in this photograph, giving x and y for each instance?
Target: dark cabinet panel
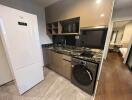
(70, 25)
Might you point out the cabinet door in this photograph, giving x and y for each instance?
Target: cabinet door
(58, 62)
(50, 59)
(66, 69)
(54, 61)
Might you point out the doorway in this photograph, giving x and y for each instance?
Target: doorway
(121, 38)
(115, 80)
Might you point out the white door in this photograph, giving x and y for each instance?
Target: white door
(21, 41)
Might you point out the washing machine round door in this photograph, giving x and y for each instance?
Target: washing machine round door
(82, 75)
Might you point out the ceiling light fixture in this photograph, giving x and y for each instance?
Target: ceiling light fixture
(102, 15)
(98, 1)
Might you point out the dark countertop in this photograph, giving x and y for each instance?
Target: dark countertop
(76, 52)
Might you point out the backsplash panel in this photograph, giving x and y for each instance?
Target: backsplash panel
(64, 40)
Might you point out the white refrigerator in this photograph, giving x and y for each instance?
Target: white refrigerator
(5, 72)
(20, 39)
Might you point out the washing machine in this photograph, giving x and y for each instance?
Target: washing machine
(84, 74)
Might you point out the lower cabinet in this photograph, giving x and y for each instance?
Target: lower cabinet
(59, 63)
(54, 60)
(66, 69)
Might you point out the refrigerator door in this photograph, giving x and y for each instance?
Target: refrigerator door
(5, 72)
(21, 41)
(129, 60)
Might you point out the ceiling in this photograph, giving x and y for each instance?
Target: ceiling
(46, 3)
(118, 3)
(122, 3)
(120, 24)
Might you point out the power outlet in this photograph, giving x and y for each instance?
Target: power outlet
(76, 37)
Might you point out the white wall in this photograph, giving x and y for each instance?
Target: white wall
(31, 7)
(127, 33)
(122, 14)
(108, 38)
(127, 38)
(119, 35)
(128, 50)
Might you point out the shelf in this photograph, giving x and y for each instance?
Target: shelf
(71, 25)
(49, 25)
(49, 28)
(64, 27)
(55, 31)
(66, 34)
(49, 31)
(55, 28)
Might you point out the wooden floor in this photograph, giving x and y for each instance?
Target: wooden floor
(116, 80)
(115, 84)
(54, 87)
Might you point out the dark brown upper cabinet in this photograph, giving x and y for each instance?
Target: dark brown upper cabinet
(64, 27)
